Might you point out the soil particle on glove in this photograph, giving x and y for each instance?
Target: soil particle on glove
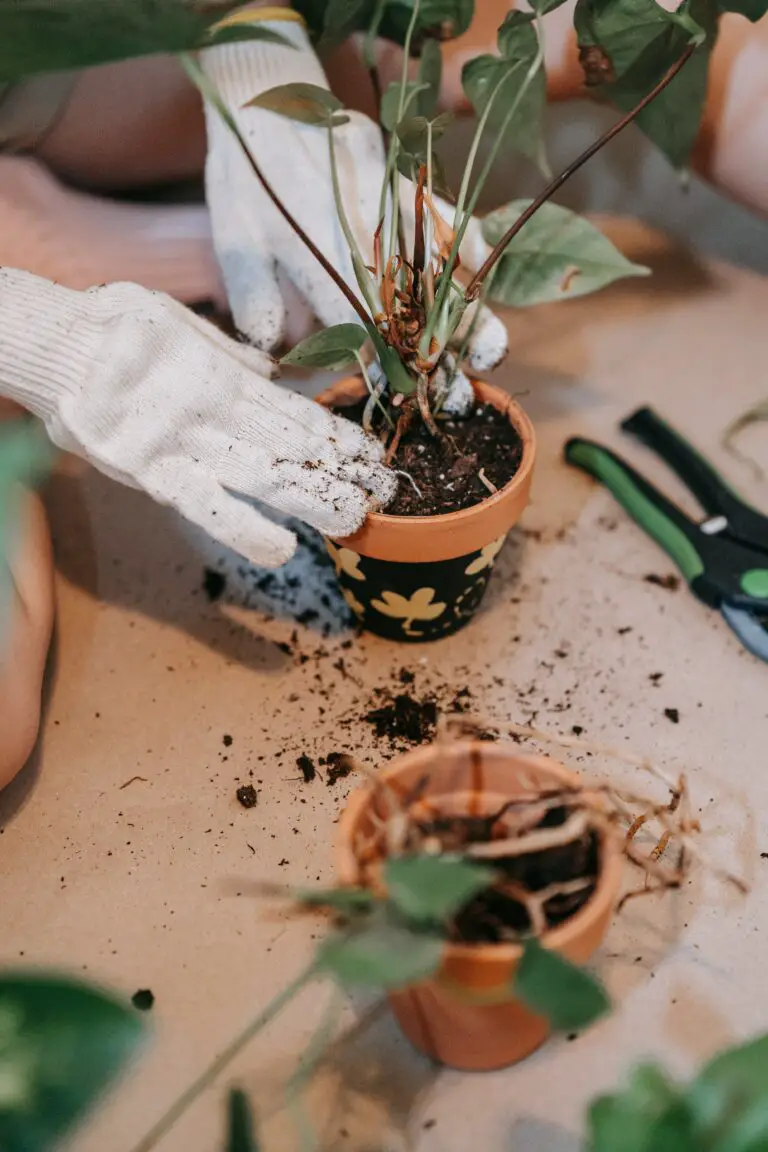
(247, 796)
(672, 714)
(143, 999)
(446, 472)
(226, 740)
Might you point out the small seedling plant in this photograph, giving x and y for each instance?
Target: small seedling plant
(415, 312)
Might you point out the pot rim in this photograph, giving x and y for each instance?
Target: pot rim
(517, 416)
(557, 938)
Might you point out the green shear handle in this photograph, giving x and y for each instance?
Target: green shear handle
(716, 569)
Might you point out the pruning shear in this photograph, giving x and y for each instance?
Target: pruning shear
(723, 557)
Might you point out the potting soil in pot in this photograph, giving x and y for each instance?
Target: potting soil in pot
(446, 472)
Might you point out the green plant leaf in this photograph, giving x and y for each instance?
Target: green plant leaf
(638, 41)
(541, 7)
(729, 1099)
(331, 21)
(398, 376)
(342, 900)
(307, 103)
(38, 36)
(650, 1115)
(431, 889)
(390, 102)
(61, 1043)
(332, 348)
(557, 255)
(754, 10)
(241, 1132)
(517, 101)
(383, 954)
(569, 996)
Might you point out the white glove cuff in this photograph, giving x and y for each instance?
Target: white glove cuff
(242, 71)
(49, 336)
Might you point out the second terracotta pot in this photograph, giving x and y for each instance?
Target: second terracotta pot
(443, 1017)
(417, 578)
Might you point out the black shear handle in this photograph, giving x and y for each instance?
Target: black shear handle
(705, 483)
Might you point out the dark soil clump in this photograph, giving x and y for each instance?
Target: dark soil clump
(446, 471)
(143, 999)
(338, 766)
(405, 718)
(247, 796)
(307, 769)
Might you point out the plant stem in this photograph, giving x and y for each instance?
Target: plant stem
(188, 1097)
(445, 279)
(361, 272)
(201, 81)
(477, 280)
(401, 107)
(374, 394)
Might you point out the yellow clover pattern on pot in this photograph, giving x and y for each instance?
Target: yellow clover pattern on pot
(420, 606)
(353, 602)
(487, 557)
(346, 561)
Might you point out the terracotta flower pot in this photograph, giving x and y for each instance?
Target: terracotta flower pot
(418, 578)
(443, 1017)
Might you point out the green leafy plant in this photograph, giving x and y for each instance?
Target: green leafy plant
(415, 311)
(724, 1109)
(61, 1044)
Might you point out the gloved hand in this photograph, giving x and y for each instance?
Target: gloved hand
(254, 244)
(160, 400)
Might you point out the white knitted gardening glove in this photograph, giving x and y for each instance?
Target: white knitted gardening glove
(159, 399)
(254, 244)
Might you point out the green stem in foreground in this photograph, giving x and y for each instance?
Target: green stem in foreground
(188, 1097)
(475, 284)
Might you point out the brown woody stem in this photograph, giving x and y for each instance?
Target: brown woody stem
(473, 289)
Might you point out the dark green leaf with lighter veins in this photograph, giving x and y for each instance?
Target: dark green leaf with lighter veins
(626, 48)
(729, 1098)
(61, 1043)
(332, 348)
(44, 36)
(307, 103)
(517, 98)
(569, 996)
(556, 255)
(544, 6)
(432, 889)
(384, 954)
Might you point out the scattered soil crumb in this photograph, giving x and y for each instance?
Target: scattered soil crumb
(143, 999)
(670, 582)
(672, 714)
(655, 677)
(226, 741)
(247, 796)
(577, 729)
(339, 767)
(307, 769)
(405, 718)
(214, 584)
